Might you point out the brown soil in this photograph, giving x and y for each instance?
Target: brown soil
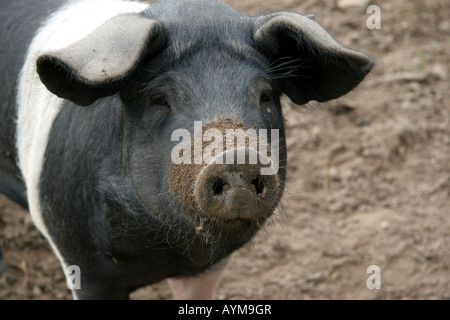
(368, 178)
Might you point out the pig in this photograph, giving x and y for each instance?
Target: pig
(92, 92)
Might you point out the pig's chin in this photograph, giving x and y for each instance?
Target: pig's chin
(234, 231)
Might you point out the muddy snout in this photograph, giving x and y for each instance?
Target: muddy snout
(231, 186)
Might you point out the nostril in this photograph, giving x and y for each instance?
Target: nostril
(217, 188)
(259, 186)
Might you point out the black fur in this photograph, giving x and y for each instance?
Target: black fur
(19, 22)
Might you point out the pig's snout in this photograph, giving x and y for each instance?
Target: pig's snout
(232, 187)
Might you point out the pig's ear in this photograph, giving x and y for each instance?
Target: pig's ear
(94, 67)
(309, 63)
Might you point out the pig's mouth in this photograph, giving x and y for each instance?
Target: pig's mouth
(235, 230)
(228, 203)
(237, 223)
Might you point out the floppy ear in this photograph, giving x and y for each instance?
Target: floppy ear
(94, 67)
(310, 64)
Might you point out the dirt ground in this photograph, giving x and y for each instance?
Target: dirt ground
(368, 178)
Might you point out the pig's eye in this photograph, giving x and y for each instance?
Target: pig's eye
(265, 97)
(160, 101)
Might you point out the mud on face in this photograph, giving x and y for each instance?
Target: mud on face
(225, 201)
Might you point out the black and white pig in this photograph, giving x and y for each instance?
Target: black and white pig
(91, 93)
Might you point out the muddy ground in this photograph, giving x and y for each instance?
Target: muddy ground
(368, 178)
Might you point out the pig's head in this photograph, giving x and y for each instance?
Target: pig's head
(204, 70)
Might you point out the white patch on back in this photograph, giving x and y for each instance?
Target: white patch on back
(37, 107)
